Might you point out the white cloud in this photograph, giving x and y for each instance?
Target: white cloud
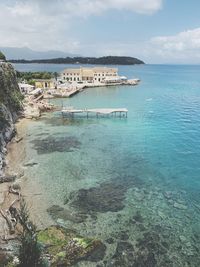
(184, 40)
(47, 24)
(98, 6)
(182, 47)
(88, 7)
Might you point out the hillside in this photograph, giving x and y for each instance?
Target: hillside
(29, 54)
(109, 60)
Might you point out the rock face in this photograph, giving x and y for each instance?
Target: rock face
(10, 105)
(64, 247)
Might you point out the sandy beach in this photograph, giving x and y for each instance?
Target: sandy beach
(16, 164)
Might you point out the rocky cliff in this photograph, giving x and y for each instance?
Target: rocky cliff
(10, 106)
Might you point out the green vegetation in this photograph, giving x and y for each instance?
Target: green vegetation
(30, 249)
(2, 56)
(66, 247)
(10, 94)
(16, 99)
(3, 121)
(55, 238)
(83, 242)
(31, 76)
(109, 60)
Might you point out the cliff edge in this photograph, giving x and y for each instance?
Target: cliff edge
(10, 107)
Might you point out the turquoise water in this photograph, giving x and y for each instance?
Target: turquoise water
(132, 182)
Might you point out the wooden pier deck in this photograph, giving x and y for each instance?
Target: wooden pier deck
(121, 112)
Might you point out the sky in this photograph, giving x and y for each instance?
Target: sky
(156, 31)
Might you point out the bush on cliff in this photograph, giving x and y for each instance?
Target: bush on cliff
(30, 250)
(2, 56)
(10, 94)
(16, 100)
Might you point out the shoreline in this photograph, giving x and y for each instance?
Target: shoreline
(152, 205)
(16, 158)
(54, 238)
(16, 161)
(66, 92)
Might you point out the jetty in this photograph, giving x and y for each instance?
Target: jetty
(120, 112)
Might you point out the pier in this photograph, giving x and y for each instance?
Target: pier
(120, 112)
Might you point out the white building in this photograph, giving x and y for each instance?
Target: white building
(26, 88)
(96, 74)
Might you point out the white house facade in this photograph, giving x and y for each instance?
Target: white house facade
(96, 74)
(26, 88)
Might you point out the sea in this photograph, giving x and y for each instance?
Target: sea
(133, 182)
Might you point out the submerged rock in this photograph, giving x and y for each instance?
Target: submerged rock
(7, 178)
(124, 235)
(58, 212)
(56, 144)
(110, 240)
(179, 206)
(138, 217)
(30, 164)
(106, 197)
(145, 260)
(168, 194)
(66, 248)
(183, 238)
(124, 255)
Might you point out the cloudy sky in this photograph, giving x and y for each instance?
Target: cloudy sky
(156, 31)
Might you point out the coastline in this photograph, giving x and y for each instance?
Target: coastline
(16, 159)
(78, 247)
(160, 208)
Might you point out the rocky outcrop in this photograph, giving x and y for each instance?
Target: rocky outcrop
(10, 106)
(64, 247)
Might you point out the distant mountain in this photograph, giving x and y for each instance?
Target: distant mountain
(109, 60)
(29, 54)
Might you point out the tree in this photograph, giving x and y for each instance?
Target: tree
(46, 75)
(55, 75)
(2, 56)
(30, 250)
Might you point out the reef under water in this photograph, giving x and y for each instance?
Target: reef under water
(52, 144)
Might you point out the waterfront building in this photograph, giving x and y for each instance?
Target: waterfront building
(91, 75)
(26, 88)
(45, 83)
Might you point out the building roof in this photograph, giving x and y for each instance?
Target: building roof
(117, 78)
(36, 91)
(72, 70)
(93, 69)
(87, 72)
(105, 69)
(44, 80)
(25, 85)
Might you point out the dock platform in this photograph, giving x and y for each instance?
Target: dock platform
(120, 112)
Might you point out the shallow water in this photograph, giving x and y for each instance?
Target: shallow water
(132, 182)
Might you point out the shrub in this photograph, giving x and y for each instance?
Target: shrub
(2, 56)
(30, 250)
(16, 99)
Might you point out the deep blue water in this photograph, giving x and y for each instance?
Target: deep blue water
(153, 156)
